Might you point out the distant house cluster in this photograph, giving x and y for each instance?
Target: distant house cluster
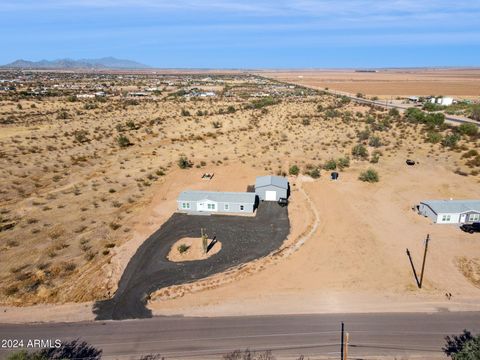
(267, 188)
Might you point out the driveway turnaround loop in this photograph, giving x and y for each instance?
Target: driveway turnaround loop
(243, 239)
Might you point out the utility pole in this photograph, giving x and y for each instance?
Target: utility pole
(341, 342)
(345, 351)
(424, 258)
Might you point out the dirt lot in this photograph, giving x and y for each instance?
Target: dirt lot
(461, 83)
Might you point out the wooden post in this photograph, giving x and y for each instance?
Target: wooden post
(204, 240)
(345, 351)
(424, 258)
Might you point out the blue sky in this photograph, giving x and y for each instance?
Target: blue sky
(246, 34)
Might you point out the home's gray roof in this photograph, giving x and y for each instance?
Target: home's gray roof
(278, 181)
(452, 206)
(218, 196)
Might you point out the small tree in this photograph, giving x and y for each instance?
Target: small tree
(294, 170)
(454, 344)
(369, 175)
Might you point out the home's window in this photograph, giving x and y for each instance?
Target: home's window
(211, 206)
(242, 207)
(226, 207)
(474, 217)
(185, 205)
(446, 218)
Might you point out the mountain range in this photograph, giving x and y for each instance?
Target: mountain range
(102, 63)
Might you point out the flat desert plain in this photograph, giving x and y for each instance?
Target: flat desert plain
(77, 202)
(458, 83)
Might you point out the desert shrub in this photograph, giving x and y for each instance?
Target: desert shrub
(433, 137)
(330, 165)
(468, 129)
(184, 163)
(428, 106)
(470, 153)
(305, 121)
(123, 141)
(473, 162)
(414, 115)
(454, 344)
(363, 135)
(81, 136)
(475, 112)
(343, 163)
(294, 170)
(216, 124)
(369, 175)
(375, 157)
(314, 173)
(185, 112)
(230, 109)
(183, 248)
(131, 125)
(393, 112)
(360, 152)
(375, 141)
(261, 103)
(450, 140)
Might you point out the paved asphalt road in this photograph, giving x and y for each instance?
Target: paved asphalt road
(316, 336)
(243, 239)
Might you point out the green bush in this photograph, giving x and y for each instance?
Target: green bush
(183, 248)
(184, 163)
(360, 152)
(314, 173)
(123, 141)
(330, 165)
(468, 129)
(294, 170)
(369, 175)
(185, 112)
(433, 137)
(451, 140)
(343, 163)
(375, 141)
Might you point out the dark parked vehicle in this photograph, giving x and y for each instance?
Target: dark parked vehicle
(471, 228)
(410, 162)
(283, 202)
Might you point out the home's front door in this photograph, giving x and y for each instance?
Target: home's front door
(463, 218)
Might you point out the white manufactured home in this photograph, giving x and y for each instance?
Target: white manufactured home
(216, 202)
(450, 211)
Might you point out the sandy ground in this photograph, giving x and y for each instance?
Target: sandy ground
(462, 83)
(356, 261)
(348, 238)
(194, 252)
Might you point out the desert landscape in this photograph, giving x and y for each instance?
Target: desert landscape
(92, 164)
(388, 83)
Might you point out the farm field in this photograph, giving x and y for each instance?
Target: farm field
(385, 84)
(84, 181)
